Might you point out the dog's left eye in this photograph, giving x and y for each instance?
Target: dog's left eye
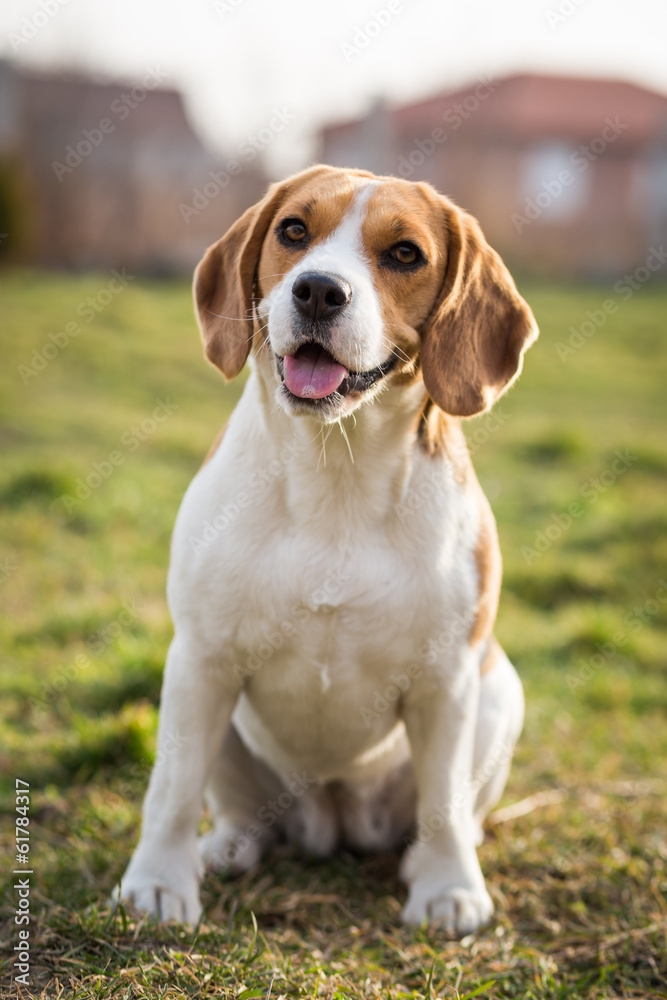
(405, 255)
(293, 231)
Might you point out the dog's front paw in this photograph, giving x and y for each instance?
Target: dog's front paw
(161, 902)
(165, 888)
(444, 892)
(456, 911)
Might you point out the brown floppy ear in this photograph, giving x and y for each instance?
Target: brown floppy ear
(473, 341)
(224, 282)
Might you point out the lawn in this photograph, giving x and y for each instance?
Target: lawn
(102, 426)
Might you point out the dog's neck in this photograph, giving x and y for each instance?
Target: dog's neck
(351, 472)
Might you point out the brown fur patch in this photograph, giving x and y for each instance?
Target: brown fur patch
(479, 328)
(489, 570)
(490, 658)
(226, 277)
(322, 200)
(397, 211)
(214, 447)
(440, 434)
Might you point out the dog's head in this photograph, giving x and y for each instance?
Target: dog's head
(344, 282)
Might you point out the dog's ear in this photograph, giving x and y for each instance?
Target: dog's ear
(224, 282)
(474, 339)
(225, 278)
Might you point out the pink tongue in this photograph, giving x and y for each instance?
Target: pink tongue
(312, 373)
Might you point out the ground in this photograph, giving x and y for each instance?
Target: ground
(102, 426)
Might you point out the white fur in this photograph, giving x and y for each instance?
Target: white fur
(298, 587)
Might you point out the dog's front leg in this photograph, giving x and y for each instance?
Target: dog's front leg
(197, 703)
(441, 866)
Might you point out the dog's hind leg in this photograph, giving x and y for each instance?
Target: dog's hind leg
(378, 815)
(239, 793)
(252, 807)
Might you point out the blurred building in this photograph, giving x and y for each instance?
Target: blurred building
(99, 175)
(566, 175)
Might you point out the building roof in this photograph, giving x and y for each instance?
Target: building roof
(531, 105)
(77, 101)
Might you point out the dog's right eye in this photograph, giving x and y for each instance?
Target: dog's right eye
(292, 231)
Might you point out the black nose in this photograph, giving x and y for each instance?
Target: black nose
(319, 296)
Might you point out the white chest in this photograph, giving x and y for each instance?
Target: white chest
(313, 604)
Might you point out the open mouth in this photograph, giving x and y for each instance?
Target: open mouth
(313, 374)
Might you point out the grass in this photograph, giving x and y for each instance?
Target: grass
(579, 880)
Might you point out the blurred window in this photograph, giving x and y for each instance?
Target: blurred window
(554, 176)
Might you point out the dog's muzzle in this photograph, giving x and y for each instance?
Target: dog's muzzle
(312, 373)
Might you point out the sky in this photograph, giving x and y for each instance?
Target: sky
(238, 62)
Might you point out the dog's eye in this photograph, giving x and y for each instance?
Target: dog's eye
(293, 231)
(405, 254)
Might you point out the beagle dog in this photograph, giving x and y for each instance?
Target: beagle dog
(335, 571)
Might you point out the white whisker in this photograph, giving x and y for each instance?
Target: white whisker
(323, 451)
(233, 319)
(347, 440)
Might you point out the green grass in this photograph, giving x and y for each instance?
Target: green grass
(579, 881)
